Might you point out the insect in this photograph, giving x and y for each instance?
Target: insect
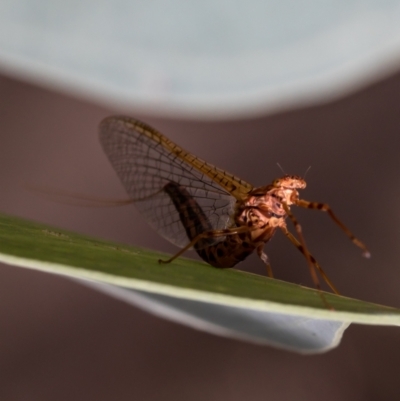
(194, 204)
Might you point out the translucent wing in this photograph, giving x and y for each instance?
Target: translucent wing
(146, 161)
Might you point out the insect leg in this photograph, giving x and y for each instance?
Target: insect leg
(264, 257)
(297, 244)
(208, 234)
(305, 251)
(326, 208)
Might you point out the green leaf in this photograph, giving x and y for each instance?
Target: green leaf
(223, 301)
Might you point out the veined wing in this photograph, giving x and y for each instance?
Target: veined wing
(146, 161)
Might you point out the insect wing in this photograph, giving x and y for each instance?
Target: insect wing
(146, 161)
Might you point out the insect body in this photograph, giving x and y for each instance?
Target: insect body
(194, 204)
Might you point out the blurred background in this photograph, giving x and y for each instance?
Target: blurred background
(312, 85)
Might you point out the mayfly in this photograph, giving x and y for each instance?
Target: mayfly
(194, 204)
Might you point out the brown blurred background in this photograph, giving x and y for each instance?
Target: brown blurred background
(61, 341)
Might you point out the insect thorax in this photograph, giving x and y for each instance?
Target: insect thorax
(263, 211)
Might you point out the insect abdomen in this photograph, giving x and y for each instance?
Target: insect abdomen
(227, 253)
(191, 214)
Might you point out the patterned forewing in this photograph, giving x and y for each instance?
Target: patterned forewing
(146, 161)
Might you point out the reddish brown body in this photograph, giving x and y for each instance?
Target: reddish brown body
(261, 212)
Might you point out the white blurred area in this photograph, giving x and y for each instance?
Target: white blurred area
(210, 59)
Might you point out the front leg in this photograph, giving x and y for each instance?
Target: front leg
(326, 208)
